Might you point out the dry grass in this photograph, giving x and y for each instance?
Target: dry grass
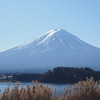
(37, 92)
(83, 90)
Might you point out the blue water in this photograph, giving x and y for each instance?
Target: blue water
(59, 87)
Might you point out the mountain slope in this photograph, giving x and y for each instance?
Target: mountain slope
(54, 48)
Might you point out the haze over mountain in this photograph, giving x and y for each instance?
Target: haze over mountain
(54, 48)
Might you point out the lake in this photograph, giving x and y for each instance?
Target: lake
(59, 87)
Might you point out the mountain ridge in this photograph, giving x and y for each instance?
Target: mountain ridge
(56, 32)
(54, 48)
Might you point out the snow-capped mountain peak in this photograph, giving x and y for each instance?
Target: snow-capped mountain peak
(54, 48)
(54, 39)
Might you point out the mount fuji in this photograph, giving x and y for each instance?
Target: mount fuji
(54, 48)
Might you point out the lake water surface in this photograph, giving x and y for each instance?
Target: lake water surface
(59, 87)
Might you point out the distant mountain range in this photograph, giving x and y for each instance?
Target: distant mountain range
(54, 48)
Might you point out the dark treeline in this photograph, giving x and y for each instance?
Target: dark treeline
(60, 75)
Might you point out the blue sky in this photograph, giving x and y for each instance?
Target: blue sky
(23, 20)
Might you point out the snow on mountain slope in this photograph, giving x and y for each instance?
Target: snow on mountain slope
(55, 39)
(54, 48)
